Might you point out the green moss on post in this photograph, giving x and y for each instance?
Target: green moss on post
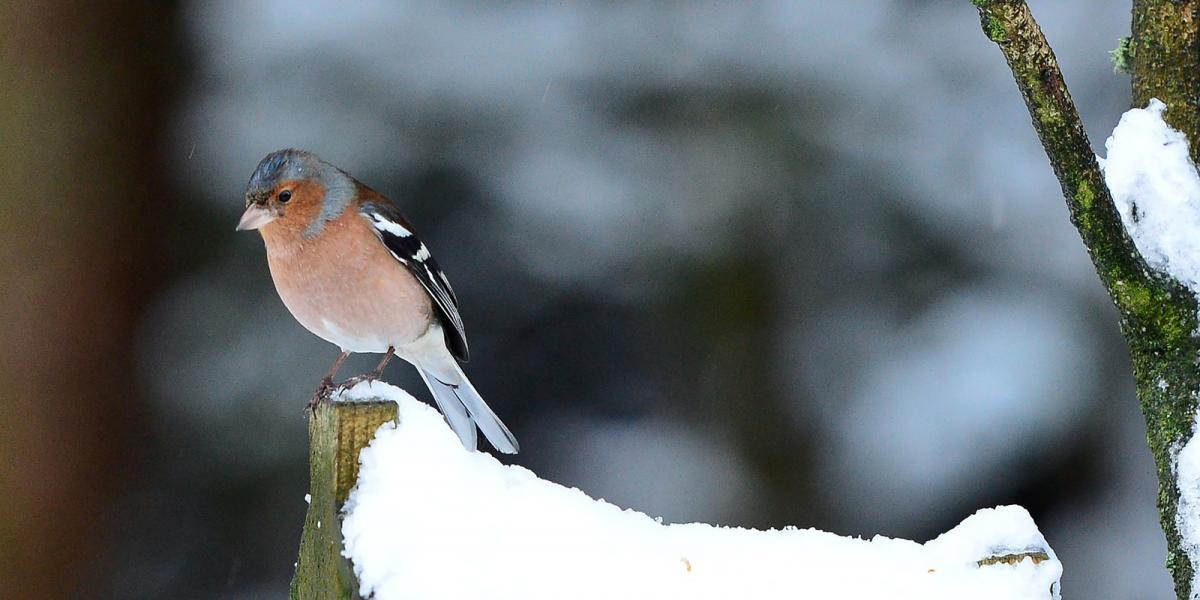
(1036, 556)
(337, 433)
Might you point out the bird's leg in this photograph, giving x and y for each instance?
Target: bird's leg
(372, 375)
(378, 372)
(326, 385)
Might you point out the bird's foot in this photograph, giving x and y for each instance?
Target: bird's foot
(357, 379)
(322, 393)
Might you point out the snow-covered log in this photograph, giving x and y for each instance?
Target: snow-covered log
(430, 520)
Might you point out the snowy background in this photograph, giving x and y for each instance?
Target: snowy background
(752, 263)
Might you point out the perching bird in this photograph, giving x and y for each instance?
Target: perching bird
(351, 269)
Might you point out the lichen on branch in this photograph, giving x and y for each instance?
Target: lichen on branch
(1122, 55)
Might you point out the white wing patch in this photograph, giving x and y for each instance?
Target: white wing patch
(422, 253)
(391, 227)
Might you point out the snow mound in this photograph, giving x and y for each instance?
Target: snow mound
(1157, 191)
(430, 520)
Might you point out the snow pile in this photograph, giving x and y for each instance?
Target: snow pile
(429, 520)
(1157, 190)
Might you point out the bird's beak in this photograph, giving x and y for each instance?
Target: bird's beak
(256, 216)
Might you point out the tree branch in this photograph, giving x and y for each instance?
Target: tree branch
(1158, 314)
(1138, 292)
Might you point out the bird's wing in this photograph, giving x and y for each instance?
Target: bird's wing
(395, 233)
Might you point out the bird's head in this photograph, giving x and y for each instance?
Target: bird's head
(297, 189)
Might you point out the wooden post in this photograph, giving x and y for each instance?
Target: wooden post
(337, 433)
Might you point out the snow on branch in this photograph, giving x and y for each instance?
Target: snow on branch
(1157, 191)
(429, 520)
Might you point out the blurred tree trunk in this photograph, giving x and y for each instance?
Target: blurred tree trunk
(81, 114)
(1158, 315)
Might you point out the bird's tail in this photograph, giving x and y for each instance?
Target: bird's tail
(464, 407)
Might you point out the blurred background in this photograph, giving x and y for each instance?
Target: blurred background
(756, 263)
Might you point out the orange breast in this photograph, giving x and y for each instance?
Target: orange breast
(344, 285)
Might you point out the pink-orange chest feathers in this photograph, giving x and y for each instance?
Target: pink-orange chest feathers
(345, 286)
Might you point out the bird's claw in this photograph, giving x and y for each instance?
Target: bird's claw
(357, 379)
(326, 389)
(322, 393)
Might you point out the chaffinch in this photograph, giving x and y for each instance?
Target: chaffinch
(351, 269)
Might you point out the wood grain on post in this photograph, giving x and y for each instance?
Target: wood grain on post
(337, 433)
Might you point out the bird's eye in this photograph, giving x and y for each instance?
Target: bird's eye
(285, 195)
